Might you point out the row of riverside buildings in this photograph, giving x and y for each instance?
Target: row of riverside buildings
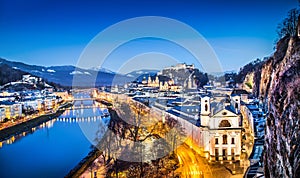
(17, 104)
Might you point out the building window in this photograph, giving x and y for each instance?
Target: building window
(232, 140)
(216, 141)
(206, 107)
(224, 123)
(224, 139)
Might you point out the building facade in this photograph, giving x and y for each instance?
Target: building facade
(221, 131)
(2, 114)
(12, 110)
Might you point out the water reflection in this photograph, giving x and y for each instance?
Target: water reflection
(69, 116)
(17, 137)
(53, 148)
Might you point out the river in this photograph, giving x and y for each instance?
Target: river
(53, 148)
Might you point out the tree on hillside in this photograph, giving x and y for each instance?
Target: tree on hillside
(288, 27)
(250, 67)
(8, 74)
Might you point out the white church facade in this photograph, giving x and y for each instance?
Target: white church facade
(221, 130)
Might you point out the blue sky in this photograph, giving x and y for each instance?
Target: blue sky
(54, 32)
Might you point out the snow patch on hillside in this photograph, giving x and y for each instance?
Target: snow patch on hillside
(75, 72)
(50, 70)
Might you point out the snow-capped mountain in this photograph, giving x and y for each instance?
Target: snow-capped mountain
(142, 72)
(139, 75)
(101, 69)
(64, 75)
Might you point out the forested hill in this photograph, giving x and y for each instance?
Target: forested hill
(8, 74)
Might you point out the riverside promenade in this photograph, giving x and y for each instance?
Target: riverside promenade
(26, 124)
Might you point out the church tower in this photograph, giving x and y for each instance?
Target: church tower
(236, 103)
(149, 81)
(205, 110)
(190, 83)
(157, 80)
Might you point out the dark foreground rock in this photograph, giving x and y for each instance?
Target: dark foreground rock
(280, 83)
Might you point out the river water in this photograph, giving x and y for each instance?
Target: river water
(53, 148)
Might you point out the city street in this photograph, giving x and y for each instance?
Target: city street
(192, 165)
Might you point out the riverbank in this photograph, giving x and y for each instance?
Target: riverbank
(94, 165)
(84, 164)
(29, 124)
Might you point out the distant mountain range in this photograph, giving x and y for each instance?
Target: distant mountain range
(140, 74)
(64, 75)
(218, 74)
(69, 75)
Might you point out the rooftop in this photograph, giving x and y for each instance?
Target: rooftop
(238, 92)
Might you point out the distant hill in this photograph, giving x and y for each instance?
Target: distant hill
(64, 75)
(140, 74)
(220, 74)
(182, 75)
(8, 74)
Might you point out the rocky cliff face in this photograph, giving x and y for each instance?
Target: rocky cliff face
(248, 82)
(278, 81)
(263, 75)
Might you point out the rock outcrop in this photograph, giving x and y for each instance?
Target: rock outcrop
(280, 84)
(277, 82)
(249, 82)
(263, 75)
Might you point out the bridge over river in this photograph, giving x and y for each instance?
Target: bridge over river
(61, 142)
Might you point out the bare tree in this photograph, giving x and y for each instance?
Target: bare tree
(288, 27)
